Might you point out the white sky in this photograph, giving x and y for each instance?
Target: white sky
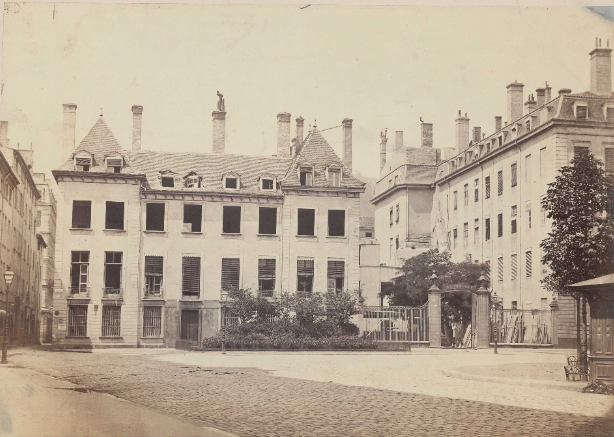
(380, 66)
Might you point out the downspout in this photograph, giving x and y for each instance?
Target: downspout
(519, 225)
(407, 217)
(482, 214)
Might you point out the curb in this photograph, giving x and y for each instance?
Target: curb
(507, 381)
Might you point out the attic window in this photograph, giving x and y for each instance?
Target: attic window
(582, 112)
(528, 125)
(609, 113)
(114, 165)
(267, 184)
(167, 181)
(193, 182)
(334, 177)
(83, 164)
(307, 176)
(231, 183)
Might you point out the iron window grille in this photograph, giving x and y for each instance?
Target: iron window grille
(152, 321)
(77, 320)
(111, 321)
(500, 183)
(487, 187)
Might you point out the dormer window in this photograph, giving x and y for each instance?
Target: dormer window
(500, 140)
(193, 181)
(167, 181)
(83, 164)
(114, 165)
(581, 112)
(231, 183)
(528, 125)
(267, 184)
(306, 176)
(334, 177)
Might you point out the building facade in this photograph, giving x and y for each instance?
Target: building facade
(149, 243)
(46, 212)
(20, 246)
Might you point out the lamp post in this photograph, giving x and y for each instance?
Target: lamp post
(8, 280)
(497, 303)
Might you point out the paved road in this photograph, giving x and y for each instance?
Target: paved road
(250, 402)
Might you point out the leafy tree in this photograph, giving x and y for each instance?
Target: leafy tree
(580, 203)
(246, 306)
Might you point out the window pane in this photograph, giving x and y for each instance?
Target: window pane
(267, 184)
(231, 183)
(82, 214)
(232, 220)
(306, 221)
(336, 223)
(267, 221)
(155, 217)
(192, 218)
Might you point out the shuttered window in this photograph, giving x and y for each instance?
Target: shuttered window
(466, 194)
(487, 187)
(487, 226)
(476, 190)
(581, 112)
(487, 273)
(514, 261)
(152, 321)
(266, 277)
(500, 269)
(500, 225)
(336, 276)
(500, 183)
(476, 231)
(190, 276)
(609, 160)
(529, 263)
(153, 274)
(231, 273)
(304, 272)
(465, 234)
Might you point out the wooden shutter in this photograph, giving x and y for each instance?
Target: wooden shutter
(609, 160)
(266, 269)
(487, 186)
(230, 273)
(191, 275)
(336, 269)
(153, 265)
(514, 266)
(500, 268)
(305, 267)
(500, 182)
(114, 162)
(529, 263)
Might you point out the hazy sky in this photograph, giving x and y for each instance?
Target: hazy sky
(380, 66)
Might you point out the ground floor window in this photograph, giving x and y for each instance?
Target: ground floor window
(77, 321)
(152, 321)
(111, 320)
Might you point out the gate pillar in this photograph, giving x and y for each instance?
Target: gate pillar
(434, 316)
(481, 318)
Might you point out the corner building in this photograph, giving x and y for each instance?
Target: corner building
(149, 243)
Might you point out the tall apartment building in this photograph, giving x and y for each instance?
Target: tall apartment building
(20, 245)
(46, 211)
(149, 243)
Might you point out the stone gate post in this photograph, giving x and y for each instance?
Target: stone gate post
(482, 318)
(434, 316)
(554, 312)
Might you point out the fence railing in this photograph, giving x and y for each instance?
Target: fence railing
(521, 326)
(395, 323)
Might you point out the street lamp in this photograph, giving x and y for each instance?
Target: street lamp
(8, 280)
(497, 302)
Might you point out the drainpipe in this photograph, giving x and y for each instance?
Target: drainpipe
(407, 216)
(519, 224)
(482, 214)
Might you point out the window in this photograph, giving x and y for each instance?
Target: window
(114, 217)
(581, 112)
(336, 276)
(304, 272)
(152, 321)
(391, 214)
(528, 125)
(336, 222)
(514, 214)
(79, 272)
(192, 218)
(397, 242)
(112, 272)
(39, 218)
(542, 211)
(476, 190)
(231, 183)
(455, 200)
(390, 248)
(609, 159)
(111, 320)
(114, 165)
(81, 214)
(476, 231)
(193, 182)
(153, 275)
(368, 234)
(455, 235)
(500, 141)
(465, 234)
(397, 216)
(542, 162)
(487, 187)
(529, 263)
(487, 272)
(83, 164)
(334, 177)
(266, 277)
(267, 184)
(77, 320)
(527, 168)
(500, 182)
(232, 220)
(466, 193)
(514, 262)
(267, 221)
(609, 114)
(514, 176)
(577, 150)
(528, 209)
(190, 276)
(167, 181)
(500, 269)
(154, 220)
(231, 273)
(500, 223)
(449, 240)
(306, 222)
(306, 177)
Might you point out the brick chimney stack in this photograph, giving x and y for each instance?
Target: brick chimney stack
(346, 133)
(283, 134)
(426, 134)
(398, 142)
(462, 132)
(541, 96)
(219, 131)
(137, 119)
(4, 133)
(299, 132)
(498, 119)
(530, 104)
(514, 101)
(601, 68)
(477, 134)
(382, 149)
(69, 125)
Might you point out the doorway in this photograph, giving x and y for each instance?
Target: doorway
(189, 325)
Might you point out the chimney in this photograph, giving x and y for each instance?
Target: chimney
(462, 132)
(4, 132)
(477, 134)
(514, 101)
(219, 131)
(299, 132)
(137, 118)
(283, 134)
(398, 143)
(426, 134)
(548, 89)
(69, 125)
(541, 96)
(346, 132)
(498, 119)
(564, 91)
(530, 104)
(382, 149)
(601, 68)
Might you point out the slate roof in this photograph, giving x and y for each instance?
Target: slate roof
(367, 222)
(317, 152)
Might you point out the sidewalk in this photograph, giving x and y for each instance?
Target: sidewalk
(32, 404)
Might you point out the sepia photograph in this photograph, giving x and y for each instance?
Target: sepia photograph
(306, 220)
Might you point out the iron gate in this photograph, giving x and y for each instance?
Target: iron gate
(395, 323)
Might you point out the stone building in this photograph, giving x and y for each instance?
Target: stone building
(20, 246)
(46, 212)
(149, 243)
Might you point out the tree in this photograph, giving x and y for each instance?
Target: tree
(580, 203)
(246, 306)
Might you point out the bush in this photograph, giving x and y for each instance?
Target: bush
(288, 342)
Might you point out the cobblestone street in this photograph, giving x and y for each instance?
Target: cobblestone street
(248, 401)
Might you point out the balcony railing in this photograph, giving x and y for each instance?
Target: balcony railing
(79, 291)
(156, 292)
(113, 293)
